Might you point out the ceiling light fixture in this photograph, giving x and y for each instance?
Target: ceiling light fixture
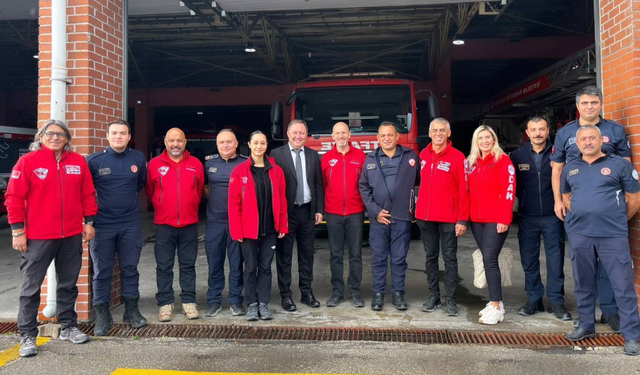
(249, 47)
(457, 41)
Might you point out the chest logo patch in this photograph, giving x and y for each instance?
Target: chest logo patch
(412, 162)
(191, 169)
(244, 180)
(213, 169)
(355, 162)
(134, 168)
(72, 169)
(422, 164)
(524, 167)
(333, 162)
(512, 170)
(104, 171)
(605, 139)
(444, 166)
(41, 173)
(371, 166)
(574, 172)
(163, 170)
(605, 171)
(16, 175)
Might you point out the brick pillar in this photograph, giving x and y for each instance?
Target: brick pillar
(620, 33)
(95, 93)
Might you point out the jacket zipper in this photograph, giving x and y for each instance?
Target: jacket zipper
(344, 184)
(179, 196)
(429, 198)
(61, 200)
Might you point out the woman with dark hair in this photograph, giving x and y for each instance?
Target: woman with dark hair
(257, 218)
(491, 190)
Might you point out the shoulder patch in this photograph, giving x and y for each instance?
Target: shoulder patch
(511, 169)
(209, 157)
(605, 139)
(634, 174)
(16, 175)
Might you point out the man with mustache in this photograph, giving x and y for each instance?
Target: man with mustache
(175, 180)
(614, 141)
(537, 218)
(601, 193)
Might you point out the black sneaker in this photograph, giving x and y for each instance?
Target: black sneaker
(530, 308)
(579, 334)
(28, 347)
(252, 312)
(73, 335)
(559, 312)
(356, 300)
(631, 347)
(263, 310)
(399, 302)
(237, 309)
(433, 302)
(377, 302)
(335, 300)
(450, 307)
(612, 321)
(213, 310)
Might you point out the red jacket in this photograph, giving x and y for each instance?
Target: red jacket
(243, 202)
(175, 189)
(492, 188)
(341, 174)
(49, 198)
(443, 195)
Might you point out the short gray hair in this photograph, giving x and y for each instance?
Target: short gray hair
(588, 127)
(297, 121)
(589, 90)
(37, 142)
(441, 120)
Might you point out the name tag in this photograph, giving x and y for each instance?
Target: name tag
(371, 166)
(191, 169)
(574, 172)
(213, 169)
(524, 167)
(72, 169)
(444, 166)
(104, 171)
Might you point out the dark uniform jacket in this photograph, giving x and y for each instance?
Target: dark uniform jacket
(373, 188)
(217, 173)
(533, 188)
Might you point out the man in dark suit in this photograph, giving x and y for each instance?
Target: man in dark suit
(305, 204)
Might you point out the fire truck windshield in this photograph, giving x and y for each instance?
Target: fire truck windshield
(363, 108)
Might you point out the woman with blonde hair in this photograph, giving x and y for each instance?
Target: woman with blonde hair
(492, 187)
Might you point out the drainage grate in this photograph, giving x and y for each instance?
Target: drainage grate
(418, 336)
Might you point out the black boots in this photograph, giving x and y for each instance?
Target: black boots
(132, 314)
(104, 321)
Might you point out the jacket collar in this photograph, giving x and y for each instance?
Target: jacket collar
(111, 151)
(165, 156)
(49, 152)
(444, 151)
(547, 147)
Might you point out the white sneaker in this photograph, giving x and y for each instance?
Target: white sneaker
(483, 311)
(492, 316)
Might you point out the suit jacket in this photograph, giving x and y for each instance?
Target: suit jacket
(284, 158)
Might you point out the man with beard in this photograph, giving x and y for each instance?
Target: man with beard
(537, 218)
(341, 170)
(174, 184)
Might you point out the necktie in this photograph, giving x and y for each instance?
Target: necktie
(300, 190)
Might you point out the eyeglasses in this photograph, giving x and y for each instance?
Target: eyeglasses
(53, 134)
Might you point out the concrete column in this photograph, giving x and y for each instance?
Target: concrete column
(95, 92)
(620, 38)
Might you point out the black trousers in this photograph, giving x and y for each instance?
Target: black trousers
(347, 229)
(435, 234)
(185, 240)
(490, 243)
(67, 254)
(301, 230)
(258, 255)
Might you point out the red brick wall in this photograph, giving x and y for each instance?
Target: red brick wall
(620, 33)
(94, 96)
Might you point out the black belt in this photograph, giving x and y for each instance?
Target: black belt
(301, 205)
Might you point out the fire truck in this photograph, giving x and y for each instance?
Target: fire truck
(360, 103)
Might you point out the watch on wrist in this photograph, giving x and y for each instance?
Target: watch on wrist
(89, 223)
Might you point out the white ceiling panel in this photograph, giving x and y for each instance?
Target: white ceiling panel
(277, 5)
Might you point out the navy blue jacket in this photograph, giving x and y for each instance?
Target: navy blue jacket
(217, 173)
(533, 186)
(118, 178)
(375, 194)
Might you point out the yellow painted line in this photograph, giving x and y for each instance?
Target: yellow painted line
(130, 371)
(13, 353)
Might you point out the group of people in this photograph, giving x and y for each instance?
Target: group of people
(260, 206)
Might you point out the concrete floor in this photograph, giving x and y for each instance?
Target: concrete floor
(470, 299)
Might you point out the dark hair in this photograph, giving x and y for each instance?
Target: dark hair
(387, 123)
(119, 122)
(589, 90)
(256, 133)
(536, 119)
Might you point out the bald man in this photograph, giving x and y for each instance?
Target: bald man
(175, 180)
